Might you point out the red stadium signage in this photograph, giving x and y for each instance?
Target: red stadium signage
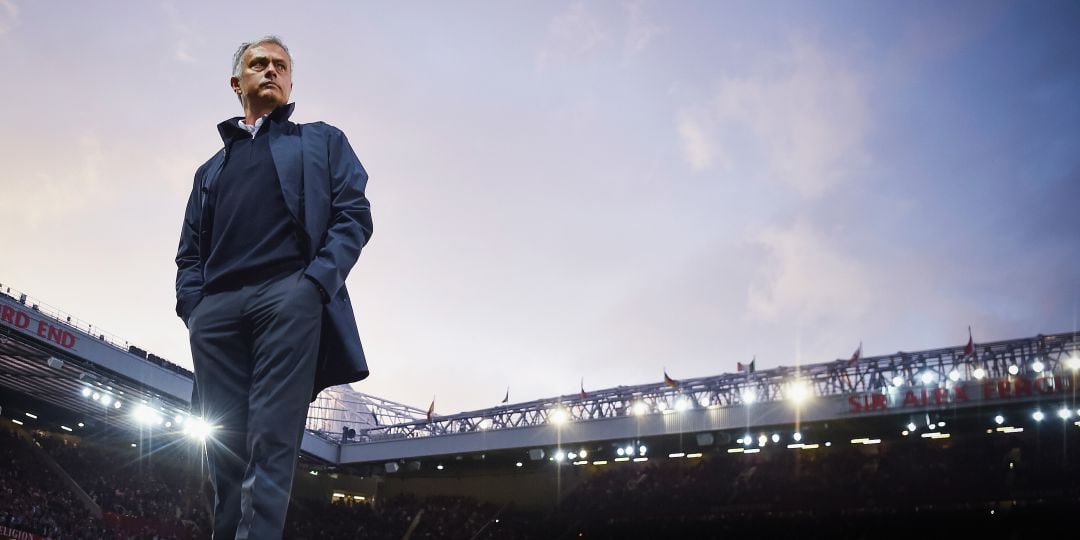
(16, 534)
(989, 390)
(34, 325)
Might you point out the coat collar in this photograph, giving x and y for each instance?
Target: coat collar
(228, 128)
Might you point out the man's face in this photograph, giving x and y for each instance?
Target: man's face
(265, 76)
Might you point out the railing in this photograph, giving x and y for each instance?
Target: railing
(948, 366)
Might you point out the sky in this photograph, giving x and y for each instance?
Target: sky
(579, 193)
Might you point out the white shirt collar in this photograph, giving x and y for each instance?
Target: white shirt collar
(252, 129)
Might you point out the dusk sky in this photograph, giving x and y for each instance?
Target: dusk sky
(568, 190)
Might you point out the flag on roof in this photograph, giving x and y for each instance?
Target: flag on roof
(969, 349)
(748, 368)
(669, 381)
(856, 356)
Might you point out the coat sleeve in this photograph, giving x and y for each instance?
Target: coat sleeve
(189, 266)
(350, 225)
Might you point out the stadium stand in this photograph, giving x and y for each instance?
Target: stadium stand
(981, 483)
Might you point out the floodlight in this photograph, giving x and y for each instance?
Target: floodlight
(559, 416)
(799, 391)
(198, 429)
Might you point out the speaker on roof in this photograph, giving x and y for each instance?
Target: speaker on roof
(391, 467)
(55, 362)
(536, 454)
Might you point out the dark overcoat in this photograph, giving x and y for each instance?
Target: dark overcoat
(323, 184)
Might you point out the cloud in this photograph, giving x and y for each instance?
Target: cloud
(572, 34)
(53, 193)
(579, 33)
(801, 123)
(9, 15)
(184, 35)
(697, 142)
(640, 29)
(808, 276)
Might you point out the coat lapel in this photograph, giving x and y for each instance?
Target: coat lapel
(287, 152)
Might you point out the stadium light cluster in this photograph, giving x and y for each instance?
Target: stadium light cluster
(799, 391)
(559, 416)
(198, 429)
(1073, 363)
(106, 399)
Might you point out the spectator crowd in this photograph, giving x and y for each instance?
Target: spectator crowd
(990, 485)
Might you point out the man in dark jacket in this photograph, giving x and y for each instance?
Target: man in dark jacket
(275, 222)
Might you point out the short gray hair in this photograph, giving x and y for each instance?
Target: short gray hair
(239, 55)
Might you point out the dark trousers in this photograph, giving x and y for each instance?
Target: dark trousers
(254, 351)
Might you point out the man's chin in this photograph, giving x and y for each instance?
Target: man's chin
(275, 99)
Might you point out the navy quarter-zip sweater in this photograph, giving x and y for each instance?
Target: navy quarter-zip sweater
(252, 236)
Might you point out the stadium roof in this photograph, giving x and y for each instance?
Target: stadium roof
(51, 356)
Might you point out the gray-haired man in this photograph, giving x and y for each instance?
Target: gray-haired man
(275, 222)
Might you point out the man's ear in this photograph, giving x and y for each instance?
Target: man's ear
(234, 82)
